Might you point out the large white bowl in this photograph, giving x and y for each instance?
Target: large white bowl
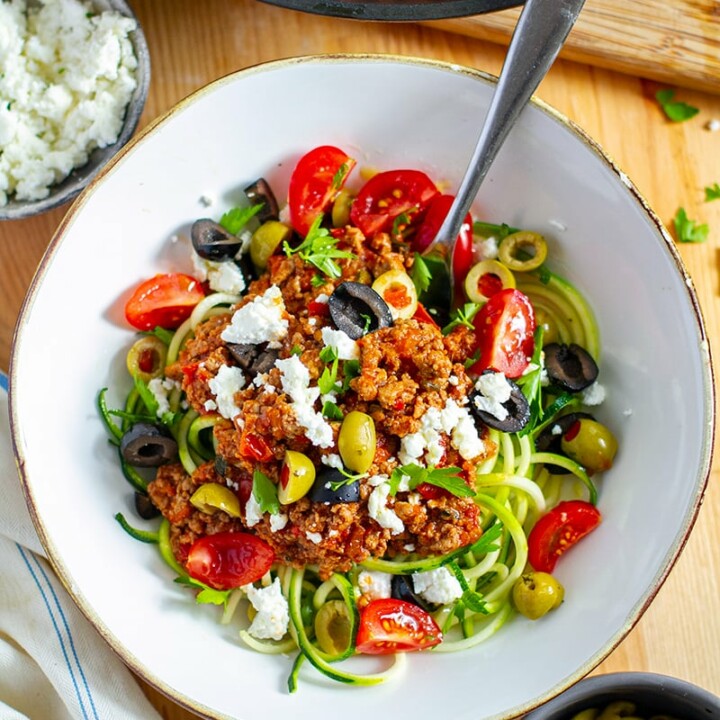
(387, 112)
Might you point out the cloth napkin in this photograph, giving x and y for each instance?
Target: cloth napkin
(53, 664)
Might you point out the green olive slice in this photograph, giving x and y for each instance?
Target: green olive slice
(523, 251)
(146, 358)
(333, 627)
(266, 240)
(487, 278)
(397, 289)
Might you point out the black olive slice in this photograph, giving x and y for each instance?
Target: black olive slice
(550, 438)
(146, 445)
(264, 362)
(570, 367)
(145, 507)
(357, 309)
(260, 192)
(517, 407)
(401, 588)
(243, 353)
(220, 465)
(213, 242)
(322, 489)
(255, 359)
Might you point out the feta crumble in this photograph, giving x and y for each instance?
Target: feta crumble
(437, 586)
(375, 585)
(67, 78)
(161, 389)
(344, 346)
(253, 511)
(273, 616)
(278, 521)
(332, 460)
(223, 277)
(313, 537)
(594, 394)
(494, 390)
(488, 248)
(228, 381)
(262, 320)
(380, 512)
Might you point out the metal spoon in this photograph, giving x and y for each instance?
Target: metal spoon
(536, 41)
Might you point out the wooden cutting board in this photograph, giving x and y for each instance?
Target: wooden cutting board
(676, 42)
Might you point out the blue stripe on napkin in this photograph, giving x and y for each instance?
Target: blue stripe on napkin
(62, 631)
(3, 381)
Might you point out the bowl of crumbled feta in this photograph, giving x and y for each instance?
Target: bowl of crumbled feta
(74, 83)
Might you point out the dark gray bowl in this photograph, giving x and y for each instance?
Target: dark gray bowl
(72, 185)
(652, 693)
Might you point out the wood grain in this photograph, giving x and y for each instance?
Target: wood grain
(194, 42)
(676, 43)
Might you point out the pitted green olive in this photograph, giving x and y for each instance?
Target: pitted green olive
(537, 593)
(333, 627)
(266, 240)
(487, 278)
(296, 477)
(146, 358)
(212, 496)
(357, 441)
(523, 251)
(397, 289)
(590, 444)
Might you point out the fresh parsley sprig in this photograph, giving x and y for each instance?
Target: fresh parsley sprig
(447, 478)
(237, 218)
(420, 274)
(712, 192)
(462, 316)
(675, 110)
(348, 479)
(689, 231)
(320, 249)
(499, 232)
(265, 493)
(207, 594)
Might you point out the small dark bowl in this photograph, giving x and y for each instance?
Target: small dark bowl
(76, 181)
(652, 693)
(400, 10)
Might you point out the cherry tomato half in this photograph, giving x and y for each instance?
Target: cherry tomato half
(436, 213)
(229, 559)
(422, 315)
(389, 626)
(316, 180)
(505, 328)
(558, 530)
(163, 301)
(388, 195)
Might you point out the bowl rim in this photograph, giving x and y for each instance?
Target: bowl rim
(70, 187)
(339, 58)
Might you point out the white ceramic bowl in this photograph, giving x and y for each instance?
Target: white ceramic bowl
(548, 177)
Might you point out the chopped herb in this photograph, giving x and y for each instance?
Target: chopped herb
(327, 382)
(339, 176)
(368, 323)
(488, 540)
(447, 478)
(462, 316)
(531, 385)
(688, 231)
(499, 232)
(328, 354)
(712, 192)
(331, 411)
(133, 417)
(265, 493)
(470, 599)
(351, 369)
(472, 359)
(420, 274)
(146, 396)
(349, 479)
(61, 71)
(162, 334)
(9, 105)
(207, 594)
(320, 248)
(235, 220)
(675, 110)
(401, 224)
(296, 350)
(317, 280)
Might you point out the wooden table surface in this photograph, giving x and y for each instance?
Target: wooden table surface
(192, 43)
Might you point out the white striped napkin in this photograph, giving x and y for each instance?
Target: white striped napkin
(53, 664)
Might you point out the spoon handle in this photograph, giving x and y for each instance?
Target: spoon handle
(536, 41)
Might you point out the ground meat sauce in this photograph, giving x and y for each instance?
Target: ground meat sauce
(404, 371)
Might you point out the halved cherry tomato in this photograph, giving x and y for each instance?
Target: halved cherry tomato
(388, 195)
(316, 180)
(389, 626)
(558, 530)
(505, 328)
(229, 559)
(436, 212)
(163, 301)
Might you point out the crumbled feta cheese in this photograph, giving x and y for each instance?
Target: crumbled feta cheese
(409, 547)
(556, 429)
(381, 513)
(494, 390)
(295, 379)
(161, 389)
(253, 511)
(223, 277)
(278, 521)
(228, 381)
(313, 537)
(322, 298)
(273, 616)
(345, 347)
(487, 248)
(594, 394)
(454, 380)
(332, 460)
(67, 78)
(261, 320)
(437, 586)
(375, 585)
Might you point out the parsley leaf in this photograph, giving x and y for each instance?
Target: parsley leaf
(675, 110)
(328, 354)
(499, 232)
(447, 478)
(488, 540)
(327, 382)
(296, 350)
(235, 220)
(317, 280)
(146, 396)
(688, 231)
(331, 411)
(207, 594)
(462, 316)
(420, 274)
(712, 192)
(265, 492)
(470, 599)
(351, 369)
(339, 176)
(320, 249)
